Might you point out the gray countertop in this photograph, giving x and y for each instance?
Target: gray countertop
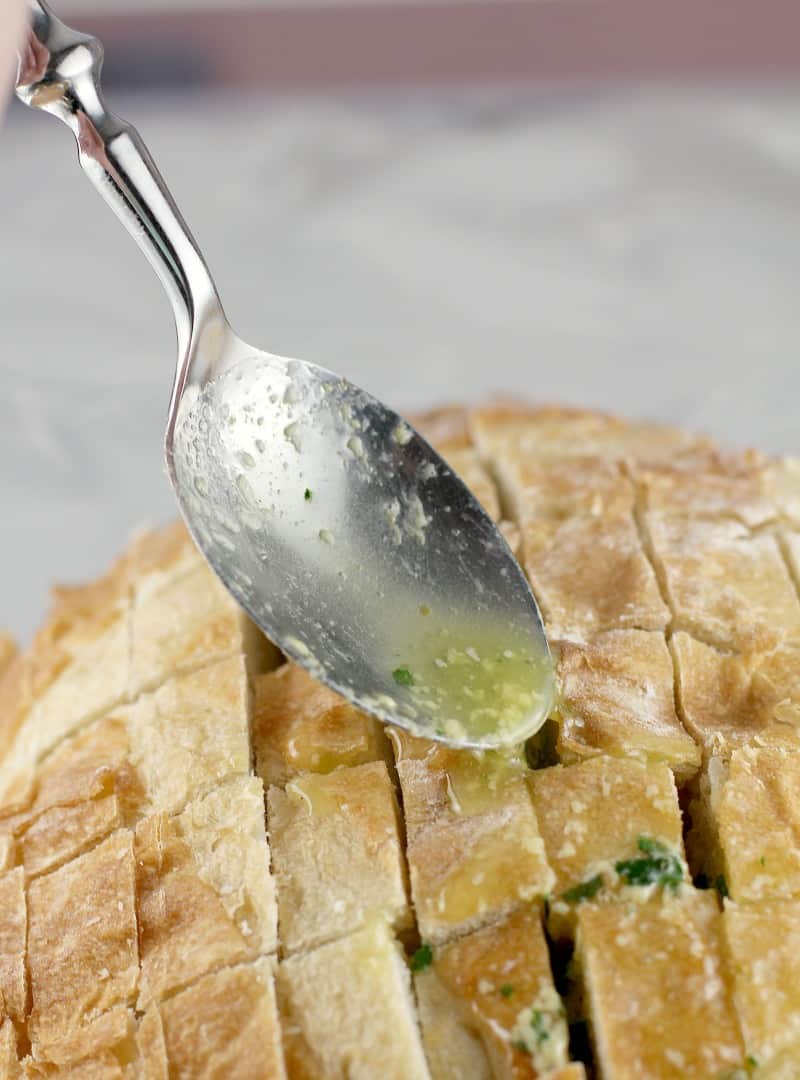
(637, 250)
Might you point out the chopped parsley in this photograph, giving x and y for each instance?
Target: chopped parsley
(657, 865)
(518, 1044)
(506, 990)
(422, 958)
(307, 494)
(751, 1062)
(646, 843)
(539, 1025)
(763, 860)
(585, 890)
(721, 885)
(403, 677)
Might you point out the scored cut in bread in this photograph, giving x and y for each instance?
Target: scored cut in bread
(213, 867)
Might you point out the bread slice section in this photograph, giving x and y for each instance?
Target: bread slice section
(489, 1006)
(83, 954)
(763, 943)
(366, 1018)
(301, 726)
(338, 855)
(616, 696)
(658, 996)
(745, 823)
(612, 832)
(224, 1025)
(475, 853)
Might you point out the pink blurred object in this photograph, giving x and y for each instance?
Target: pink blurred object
(481, 41)
(12, 20)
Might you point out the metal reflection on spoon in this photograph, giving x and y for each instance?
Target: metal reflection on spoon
(336, 526)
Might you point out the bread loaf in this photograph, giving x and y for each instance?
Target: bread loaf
(213, 867)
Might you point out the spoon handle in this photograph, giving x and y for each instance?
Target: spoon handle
(59, 72)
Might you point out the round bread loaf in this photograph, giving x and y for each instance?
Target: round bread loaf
(620, 898)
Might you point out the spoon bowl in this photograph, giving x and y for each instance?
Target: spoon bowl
(339, 529)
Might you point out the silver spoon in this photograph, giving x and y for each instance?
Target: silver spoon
(334, 524)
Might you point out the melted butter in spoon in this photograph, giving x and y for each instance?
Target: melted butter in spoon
(469, 682)
(361, 554)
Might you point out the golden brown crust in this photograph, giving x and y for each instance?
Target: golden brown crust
(301, 726)
(498, 984)
(729, 699)
(446, 428)
(225, 1025)
(225, 831)
(337, 855)
(9, 1059)
(8, 652)
(595, 814)
(763, 942)
(454, 1049)
(13, 933)
(82, 950)
(187, 623)
(156, 554)
(724, 585)
(92, 680)
(184, 930)
(135, 871)
(782, 484)
(580, 542)
(151, 1049)
(16, 694)
(191, 734)
(101, 1058)
(756, 818)
(616, 696)
(590, 575)
(473, 844)
(714, 486)
(8, 851)
(466, 463)
(658, 995)
(554, 432)
(63, 833)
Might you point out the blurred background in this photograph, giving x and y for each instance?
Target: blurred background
(580, 201)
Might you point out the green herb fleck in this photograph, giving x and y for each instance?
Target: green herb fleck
(307, 494)
(648, 845)
(721, 885)
(539, 1025)
(403, 677)
(751, 1062)
(422, 958)
(657, 866)
(518, 1044)
(506, 990)
(763, 860)
(585, 890)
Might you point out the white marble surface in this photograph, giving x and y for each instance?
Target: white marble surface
(638, 250)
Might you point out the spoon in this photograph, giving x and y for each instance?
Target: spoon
(333, 523)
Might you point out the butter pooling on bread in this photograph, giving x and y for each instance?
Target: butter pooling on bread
(212, 866)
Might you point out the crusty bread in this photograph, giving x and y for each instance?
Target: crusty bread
(213, 867)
